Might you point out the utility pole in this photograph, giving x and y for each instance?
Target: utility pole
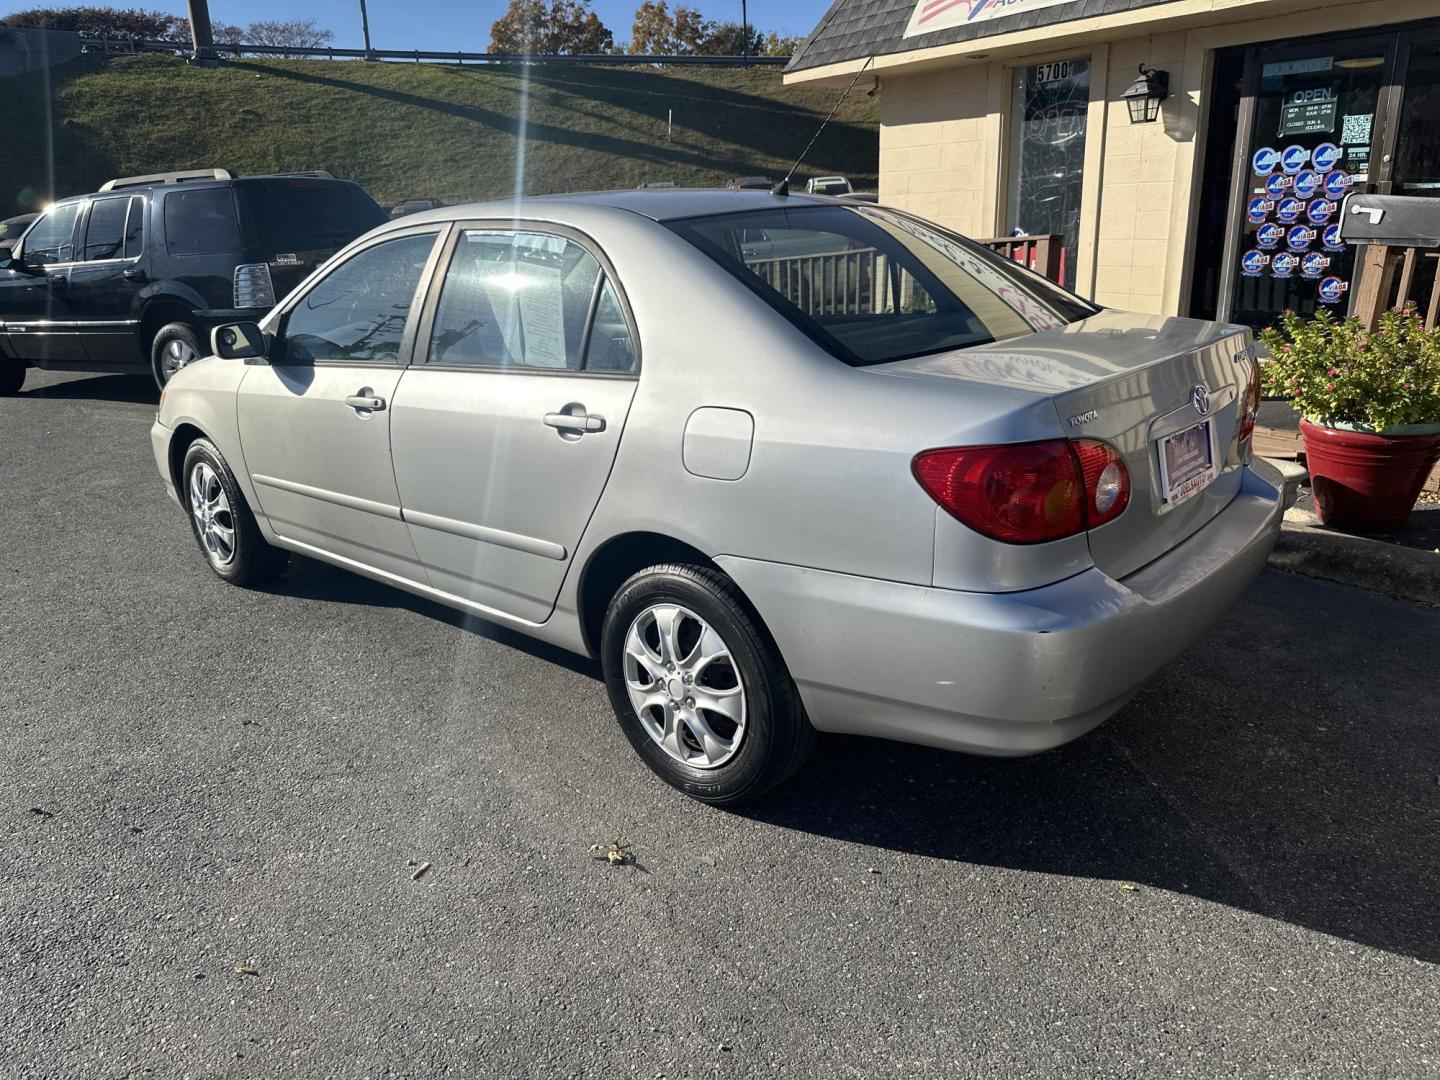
(744, 32)
(201, 36)
(365, 26)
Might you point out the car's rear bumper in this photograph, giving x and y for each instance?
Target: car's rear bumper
(1003, 673)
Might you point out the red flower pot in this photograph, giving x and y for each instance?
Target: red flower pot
(1366, 482)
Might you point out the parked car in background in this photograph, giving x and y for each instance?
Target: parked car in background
(133, 277)
(749, 183)
(11, 229)
(933, 497)
(414, 206)
(828, 185)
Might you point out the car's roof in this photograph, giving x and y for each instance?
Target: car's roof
(190, 185)
(657, 204)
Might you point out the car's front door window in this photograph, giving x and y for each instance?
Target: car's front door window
(52, 238)
(358, 312)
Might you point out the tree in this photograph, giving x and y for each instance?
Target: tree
(563, 27)
(288, 33)
(106, 22)
(656, 32)
(731, 39)
(781, 44)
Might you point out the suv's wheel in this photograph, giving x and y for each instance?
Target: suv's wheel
(222, 522)
(175, 346)
(699, 687)
(12, 376)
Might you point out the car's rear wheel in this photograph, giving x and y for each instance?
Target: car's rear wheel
(176, 346)
(222, 522)
(12, 376)
(699, 686)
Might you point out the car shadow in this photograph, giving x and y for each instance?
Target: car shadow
(1309, 796)
(128, 389)
(310, 579)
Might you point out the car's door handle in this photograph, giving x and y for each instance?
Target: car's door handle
(133, 274)
(56, 281)
(580, 421)
(363, 401)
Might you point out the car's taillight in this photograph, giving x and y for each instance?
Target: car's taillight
(1249, 411)
(253, 287)
(1027, 493)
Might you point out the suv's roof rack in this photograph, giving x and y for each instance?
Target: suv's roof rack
(318, 174)
(167, 178)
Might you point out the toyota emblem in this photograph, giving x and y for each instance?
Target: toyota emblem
(1200, 398)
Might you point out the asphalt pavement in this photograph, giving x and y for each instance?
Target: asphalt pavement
(216, 805)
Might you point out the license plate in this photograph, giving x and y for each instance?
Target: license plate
(1187, 462)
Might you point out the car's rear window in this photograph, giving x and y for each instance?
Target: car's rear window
(200, 222)
(874, 286)
(304, 214)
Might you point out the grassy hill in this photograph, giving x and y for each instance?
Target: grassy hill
(419, 129)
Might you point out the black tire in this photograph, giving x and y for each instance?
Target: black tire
(169, 337)
(252, 560)
(12, 376)
(777, 735)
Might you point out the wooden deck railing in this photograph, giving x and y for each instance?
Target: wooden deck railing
(1388, 277)
(1040, 253)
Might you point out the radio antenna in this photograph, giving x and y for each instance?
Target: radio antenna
(782, 188)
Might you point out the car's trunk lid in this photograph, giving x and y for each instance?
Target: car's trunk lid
(1130, 380)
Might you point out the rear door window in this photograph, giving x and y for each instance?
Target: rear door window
(105, 231)
(358, 312)
(135, 228)
(201, 222)
(292, 216)
(52, 238)
(514, 300)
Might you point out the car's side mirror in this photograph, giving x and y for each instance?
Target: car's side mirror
(16, 263)
(239, 341)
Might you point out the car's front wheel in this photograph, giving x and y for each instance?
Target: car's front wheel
(222, 522)
(699, 686)
(175, 346)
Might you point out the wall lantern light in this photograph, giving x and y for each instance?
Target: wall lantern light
(1143, 99)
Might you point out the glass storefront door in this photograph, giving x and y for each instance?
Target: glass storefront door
(1316, 122)
(1049, 106)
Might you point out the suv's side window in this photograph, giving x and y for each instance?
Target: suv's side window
(113, 231)
(52, 238)
(358, 312)
(201, 222)
(514, 300)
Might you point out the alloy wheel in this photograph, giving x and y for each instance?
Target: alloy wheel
(685, 686)
(214, 521)
(175, 355)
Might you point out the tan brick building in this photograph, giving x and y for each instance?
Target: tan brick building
(1006, 115)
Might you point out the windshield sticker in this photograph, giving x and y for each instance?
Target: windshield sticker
(1332, 289)
(1325, 156)
(1294, 158)
(1331, 238)
(1337, 184)
(1277, 184)
(1284, 264)
(1313, 264)
(1265, 160)
(1259, 209)
(1269, 235)
(1320, 211)
(1299, 238)
(1254, 262)
(1307, 182)
(1289, 210)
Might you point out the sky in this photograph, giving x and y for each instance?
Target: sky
(462, 25)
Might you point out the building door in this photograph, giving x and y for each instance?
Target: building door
(1312, 127)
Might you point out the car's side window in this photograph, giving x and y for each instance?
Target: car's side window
(135, 229)
(611, 348)
(201, 222)
(358, 312)
(105, 231)
(52, 238)
(514, 300)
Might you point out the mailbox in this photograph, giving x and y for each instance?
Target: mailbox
(1393, 220)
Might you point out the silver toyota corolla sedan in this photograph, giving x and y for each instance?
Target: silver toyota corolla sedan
(783, 464)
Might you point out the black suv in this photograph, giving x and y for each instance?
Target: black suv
(134, 277)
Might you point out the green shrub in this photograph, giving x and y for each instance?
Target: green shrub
(1337, 372)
